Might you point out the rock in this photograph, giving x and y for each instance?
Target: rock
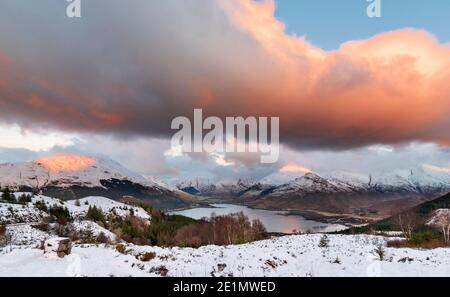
(58, 246)
(221, 267)
(406, 260)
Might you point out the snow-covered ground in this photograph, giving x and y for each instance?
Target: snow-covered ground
(346, 255)
(16, 213)
(285, 256)
(106, 205)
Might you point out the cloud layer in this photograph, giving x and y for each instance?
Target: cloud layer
(129, 68)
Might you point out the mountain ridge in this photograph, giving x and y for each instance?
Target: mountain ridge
(71, 177)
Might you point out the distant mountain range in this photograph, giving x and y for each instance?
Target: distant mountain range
(420, 180)
(379, 193)
(72, 177)
(205, 187)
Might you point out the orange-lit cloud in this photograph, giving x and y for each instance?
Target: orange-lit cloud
(231, 58)
(66, 163)
(294, 168)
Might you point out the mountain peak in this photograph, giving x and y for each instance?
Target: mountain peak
(66, 170)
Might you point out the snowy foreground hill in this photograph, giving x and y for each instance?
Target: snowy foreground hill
(29, 213)
(301, 255)
(285, 256)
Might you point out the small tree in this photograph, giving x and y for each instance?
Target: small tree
(87, 236)
(24, 199)
(7, 196)
(61, 214)
(337, 261)
(380, 251)
(41, 206)
(95, 214)
(408, 223)
(324, 241)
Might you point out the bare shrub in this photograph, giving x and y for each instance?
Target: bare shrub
(2, 230)
(147, 257)
(219, 230)
(65, 230)
(121, 248)
(423, 240)
(236, 229)
(161, 270)
(194, 235)
(102, 238)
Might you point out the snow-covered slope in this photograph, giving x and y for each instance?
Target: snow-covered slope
(281, 178)
(14, 213)
(356, 181)
(291, 256)
(420, 180)
(440, 218)
(65, 171)
(208, 188)
(311, 183)
(29, 213)
(94, 228)
(106, 205)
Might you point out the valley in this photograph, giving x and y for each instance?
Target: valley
(130, 225)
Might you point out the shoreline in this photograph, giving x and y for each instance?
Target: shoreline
(346, 220)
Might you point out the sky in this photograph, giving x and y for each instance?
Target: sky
(329, 23)
(353, 93)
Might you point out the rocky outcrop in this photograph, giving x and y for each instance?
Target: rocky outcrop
(60, 247)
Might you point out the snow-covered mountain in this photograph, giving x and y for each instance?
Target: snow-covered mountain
(422, 180)
(66, 171)
(311, 183)
(75, 176)
(281, 178)
(206, 187)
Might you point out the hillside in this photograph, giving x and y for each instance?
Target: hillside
(71, 177)
(374, 196)
(32, 212)
(290, 256)
(419, 215)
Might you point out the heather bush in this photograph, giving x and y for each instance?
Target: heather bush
(147, 257)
